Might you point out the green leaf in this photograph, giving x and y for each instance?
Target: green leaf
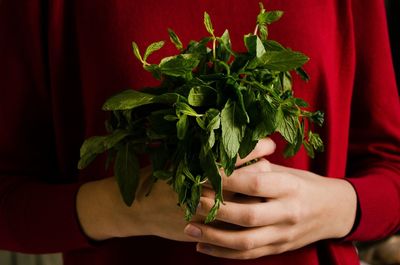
(254, 45)
(154, 69)
(90, 149)
(303, 74)
(207, 162)
(195, 193)
(300, 102)
(175, 39)
(179, 184)
(265, 120)
(179, 65)
(286, 80)
(155, 46)
(126, 170)
(315, 140)
(169, 98)
(136, 51)
(292, 148)
(208, 24)
(286, 125)
(97, 145)
(242, 113)
(213, 212)
(128, 99)
(200, 96)
(225, 42)
(318, 118)
(171, 118)
(227, 163)
(232, 130)
(184, 108)
(248, 144)
(200, 121)
(213, 119)
(269, 17)
(182, 126)
(309, 149)
(272, 45)
(282, 60)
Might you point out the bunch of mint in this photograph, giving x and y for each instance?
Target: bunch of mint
(213, 105)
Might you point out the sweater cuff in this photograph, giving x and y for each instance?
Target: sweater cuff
(50, 220)
(378, 209)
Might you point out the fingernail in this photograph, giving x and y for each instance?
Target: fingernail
(204, 248)
(192, 231)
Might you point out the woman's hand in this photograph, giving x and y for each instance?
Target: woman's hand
(280, 209)
(103, 214)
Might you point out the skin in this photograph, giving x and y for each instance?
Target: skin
(269, 209)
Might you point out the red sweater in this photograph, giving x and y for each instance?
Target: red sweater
(60, 60)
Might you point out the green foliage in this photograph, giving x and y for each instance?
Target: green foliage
(213, 104)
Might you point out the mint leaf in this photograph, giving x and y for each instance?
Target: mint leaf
(282, 60)
(97, 145)
(315, 140)
(200, 96)
(207, 162)
(175, 39)
(182, 126)
(152, 48)
(286, 126)
(208, 24)
(213, 119)
(254, 45)
(300, 71)
(184, 108)
(271, 16)
(90, 149)
(318, 118)
(179, 66)
(248, 144)
(232, 130)
(227, 162)
(126, 169)
(128, 99)
(225, 41)
(136, 51)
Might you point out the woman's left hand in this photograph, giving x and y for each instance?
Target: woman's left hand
(279, 209)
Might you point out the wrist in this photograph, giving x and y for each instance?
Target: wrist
(103, 214)
(343, 212)
(92, 210)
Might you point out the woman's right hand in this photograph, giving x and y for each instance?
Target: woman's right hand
(103, 214)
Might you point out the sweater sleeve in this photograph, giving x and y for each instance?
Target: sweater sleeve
(374, 150)
(37, 211)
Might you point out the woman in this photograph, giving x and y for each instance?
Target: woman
(62, 59)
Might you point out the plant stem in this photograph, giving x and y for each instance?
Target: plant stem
(256, 30)
(214, 45)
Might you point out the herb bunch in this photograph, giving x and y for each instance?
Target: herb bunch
(213, 105)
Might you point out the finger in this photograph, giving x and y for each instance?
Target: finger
(246, 239)
(228, 253)
(207, 192)
(263, 148)
(247, 215)
(261, 184)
